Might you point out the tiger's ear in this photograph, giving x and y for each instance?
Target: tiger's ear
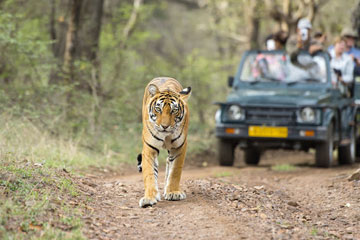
(153, 89)
(185, 93)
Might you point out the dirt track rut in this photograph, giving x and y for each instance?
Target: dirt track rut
(230, 203)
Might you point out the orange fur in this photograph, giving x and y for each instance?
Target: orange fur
(165, 117)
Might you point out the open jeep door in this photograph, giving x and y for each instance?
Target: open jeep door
(356, 95)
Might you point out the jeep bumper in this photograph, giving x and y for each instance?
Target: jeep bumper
(296, 137)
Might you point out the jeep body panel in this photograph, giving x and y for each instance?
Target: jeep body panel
(270, 107)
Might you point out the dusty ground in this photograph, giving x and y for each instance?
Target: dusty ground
(230, 203)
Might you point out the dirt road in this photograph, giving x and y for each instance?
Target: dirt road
(231, 203)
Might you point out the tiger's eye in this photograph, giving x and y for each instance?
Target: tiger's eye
(157, 109)
(175, 110)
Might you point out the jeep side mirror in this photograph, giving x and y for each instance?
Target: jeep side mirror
(230, 81)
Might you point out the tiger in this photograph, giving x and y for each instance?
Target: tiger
(165, 119)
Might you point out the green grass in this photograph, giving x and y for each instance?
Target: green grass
(21, 139)
(34, 189)
(314, 231)
(283, 168)
(32, 199)
(223, 174)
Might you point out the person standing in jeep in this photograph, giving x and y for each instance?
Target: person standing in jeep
(341, 63)
(303, 40)
(350, 36)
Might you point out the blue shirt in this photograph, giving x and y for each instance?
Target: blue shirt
(353, 51)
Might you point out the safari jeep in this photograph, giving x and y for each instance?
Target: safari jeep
(277, 103)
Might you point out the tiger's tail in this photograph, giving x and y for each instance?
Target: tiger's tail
(139, 159)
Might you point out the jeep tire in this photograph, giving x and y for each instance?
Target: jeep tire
(357, 149)
(252, 156)
(226, 152)
(347, 153)
(324, 150)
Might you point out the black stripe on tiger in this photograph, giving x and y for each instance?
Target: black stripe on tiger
(153, 135)
(157, 150)
(139, 159)
(172, 158)
(182, 130)
(180, 145)
(182, 111)
(156, 171)
(151, 104)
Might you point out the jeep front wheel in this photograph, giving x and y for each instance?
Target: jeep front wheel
(226, 149)
(324, 150)
(252, 156)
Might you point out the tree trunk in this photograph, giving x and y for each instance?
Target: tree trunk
(128, 30)
(59, 26)
(216, 19)
(355, 18)
(292, 11)
(91, 15)
(52, 27)
(88, 44)
(254, 20)
(76, 39)
(284, 22)
(130, 25)
(71, 39)
(57, 30)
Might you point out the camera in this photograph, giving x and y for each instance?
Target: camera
(337, 72)
(270, 44)
(304, 34)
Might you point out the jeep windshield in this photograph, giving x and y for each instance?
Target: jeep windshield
(275, 66)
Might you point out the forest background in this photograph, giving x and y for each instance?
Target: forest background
(73, 72)
(72, 78)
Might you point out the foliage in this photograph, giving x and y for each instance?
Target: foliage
(34, 202)
(97, 120)
(23, 47)
(223, 174)
(51, 123)
(283, 167)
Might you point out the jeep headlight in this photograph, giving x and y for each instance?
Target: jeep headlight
(235, 113)
(218, 116)
(308, 115)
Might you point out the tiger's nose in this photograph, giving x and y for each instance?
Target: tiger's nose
(164, 127)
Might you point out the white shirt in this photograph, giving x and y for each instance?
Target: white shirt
(345, 64)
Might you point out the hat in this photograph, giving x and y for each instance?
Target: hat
(304, 23)
(349, 32)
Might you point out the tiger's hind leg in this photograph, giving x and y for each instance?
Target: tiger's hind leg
(149, 167)
(174, 165)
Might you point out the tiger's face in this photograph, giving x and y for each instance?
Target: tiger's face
(167, 109)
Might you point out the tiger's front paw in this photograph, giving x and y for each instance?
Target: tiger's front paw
(174, 196)
(147, 202)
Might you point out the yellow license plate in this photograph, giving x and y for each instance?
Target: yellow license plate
(263, 131)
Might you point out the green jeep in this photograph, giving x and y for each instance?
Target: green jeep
(277, 103)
